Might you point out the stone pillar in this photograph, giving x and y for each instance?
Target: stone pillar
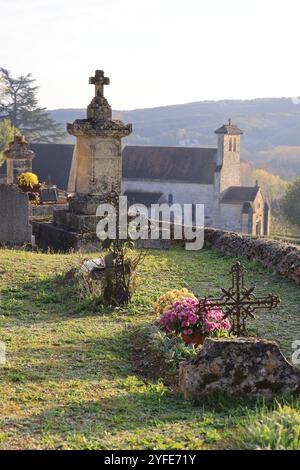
(98, 168)
(18, 159)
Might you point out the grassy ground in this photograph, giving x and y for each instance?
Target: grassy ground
(70, 383)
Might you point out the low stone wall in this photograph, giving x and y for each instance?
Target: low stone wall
(282, 258)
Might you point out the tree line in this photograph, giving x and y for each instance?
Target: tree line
(20, 112)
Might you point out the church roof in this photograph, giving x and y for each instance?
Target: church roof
(240, 194)
(196, 165)
(52, 163)
(230, 129)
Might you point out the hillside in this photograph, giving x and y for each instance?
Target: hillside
(272, 128)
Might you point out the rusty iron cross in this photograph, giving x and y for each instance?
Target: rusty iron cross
(99, 80)
(239, 302)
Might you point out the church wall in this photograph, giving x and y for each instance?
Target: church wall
(258, 215)
(231, 218)
(182, 192)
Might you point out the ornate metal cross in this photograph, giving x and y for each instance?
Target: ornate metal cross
(99, 80)
(239, 302)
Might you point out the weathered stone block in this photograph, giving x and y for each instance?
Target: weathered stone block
(77, 222)
(85, 204)
(243, 366)
(59, 239)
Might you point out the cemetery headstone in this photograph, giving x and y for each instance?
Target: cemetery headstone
(14, 216)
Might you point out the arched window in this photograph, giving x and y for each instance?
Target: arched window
(234, 145)
(230, 145)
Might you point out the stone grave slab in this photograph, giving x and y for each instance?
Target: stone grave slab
(15, 228)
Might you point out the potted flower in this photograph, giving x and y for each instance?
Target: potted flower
(166, 301)
(194, 320)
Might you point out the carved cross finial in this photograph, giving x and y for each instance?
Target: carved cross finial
(99, 80)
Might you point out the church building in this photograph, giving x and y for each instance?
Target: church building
(184, 175)
(209, 176)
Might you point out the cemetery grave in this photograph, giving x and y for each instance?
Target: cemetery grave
(76, 375)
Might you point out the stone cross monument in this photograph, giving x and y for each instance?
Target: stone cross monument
(98, 168)
(96, 171)
(18, 159)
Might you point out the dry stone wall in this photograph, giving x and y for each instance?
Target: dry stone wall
(282, 258)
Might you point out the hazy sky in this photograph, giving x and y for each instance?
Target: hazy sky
(156, 52)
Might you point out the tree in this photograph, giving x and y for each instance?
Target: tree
(272, 186)
(290, 204)
(19, 104)
(7, 134)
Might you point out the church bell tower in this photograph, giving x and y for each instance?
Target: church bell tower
(228, 159)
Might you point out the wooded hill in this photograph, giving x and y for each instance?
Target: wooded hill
(272, 128)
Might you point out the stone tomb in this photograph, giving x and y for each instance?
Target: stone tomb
(97, 171)
(14, 216)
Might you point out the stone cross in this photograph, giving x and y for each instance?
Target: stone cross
(99, 80)
(239, 302)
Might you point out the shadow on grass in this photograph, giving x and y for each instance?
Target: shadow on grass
(42, 299)
(72, 360)
(139, 411)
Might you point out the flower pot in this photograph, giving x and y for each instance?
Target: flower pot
(196, 338)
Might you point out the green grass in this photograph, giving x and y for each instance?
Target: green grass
(70, 381)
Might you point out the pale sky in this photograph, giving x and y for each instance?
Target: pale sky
(156, 52)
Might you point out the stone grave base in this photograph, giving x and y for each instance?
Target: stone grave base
(45, 211)
(243, 366)
(60, 239)
(75, 228)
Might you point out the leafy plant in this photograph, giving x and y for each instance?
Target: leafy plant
(171, 349)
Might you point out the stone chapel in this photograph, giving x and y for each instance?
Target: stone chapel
(209, 176)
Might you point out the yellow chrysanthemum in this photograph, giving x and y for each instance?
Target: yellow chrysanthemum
(28, 181)
(166, 301)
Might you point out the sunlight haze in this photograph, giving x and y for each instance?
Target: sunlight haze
(156, 52)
